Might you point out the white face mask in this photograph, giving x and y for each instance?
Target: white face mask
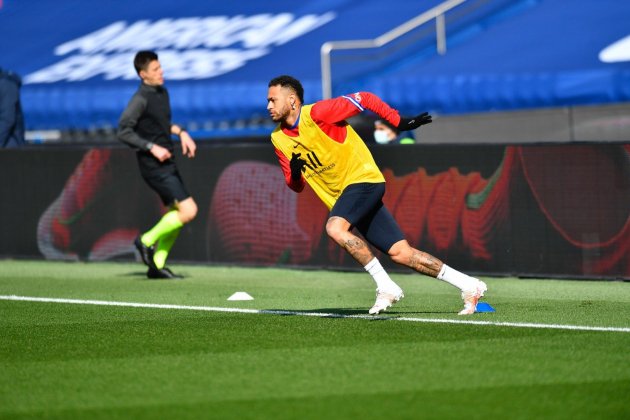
(381, 137)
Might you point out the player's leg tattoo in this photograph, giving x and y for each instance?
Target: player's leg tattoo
(358, 249)
(338, 229)
(425, 263)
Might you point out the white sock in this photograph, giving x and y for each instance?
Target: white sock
(380, 276)
(456, 278)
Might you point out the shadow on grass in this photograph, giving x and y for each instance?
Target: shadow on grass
(352, 312)
(142, 275)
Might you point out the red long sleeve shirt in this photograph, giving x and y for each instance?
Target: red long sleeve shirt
(330, 115)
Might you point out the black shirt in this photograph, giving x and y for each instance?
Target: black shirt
(146, 120)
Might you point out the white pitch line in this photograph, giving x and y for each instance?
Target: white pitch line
(313, 314)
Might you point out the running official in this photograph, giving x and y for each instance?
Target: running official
(146, 126)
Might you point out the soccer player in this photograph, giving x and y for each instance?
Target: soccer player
(315, 145)
(146, 125)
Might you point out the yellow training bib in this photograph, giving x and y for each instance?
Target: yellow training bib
(330, 166)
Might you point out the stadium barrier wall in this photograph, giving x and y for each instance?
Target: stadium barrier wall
(531, 210)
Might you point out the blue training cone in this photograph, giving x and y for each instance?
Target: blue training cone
(484, 307)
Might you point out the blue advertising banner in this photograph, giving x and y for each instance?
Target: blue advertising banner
(75, 56)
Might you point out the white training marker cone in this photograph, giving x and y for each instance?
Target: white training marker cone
(240, 296)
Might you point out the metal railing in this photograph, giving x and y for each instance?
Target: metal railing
(436, 13)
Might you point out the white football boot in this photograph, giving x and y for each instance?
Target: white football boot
(472, 296)
(384, 300)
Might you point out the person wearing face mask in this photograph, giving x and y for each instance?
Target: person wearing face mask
(386, 133)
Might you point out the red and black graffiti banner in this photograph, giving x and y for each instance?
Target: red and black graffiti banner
(544, 210)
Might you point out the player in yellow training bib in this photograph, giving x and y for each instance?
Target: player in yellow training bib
(316, 145)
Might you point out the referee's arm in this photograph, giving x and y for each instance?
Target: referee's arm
(128, 121)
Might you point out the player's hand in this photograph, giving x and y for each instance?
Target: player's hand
(297, 166)
(188, 144)
(412, 123)
(160, 153)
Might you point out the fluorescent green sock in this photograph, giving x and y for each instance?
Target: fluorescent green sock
(163, 247)
(167, 224)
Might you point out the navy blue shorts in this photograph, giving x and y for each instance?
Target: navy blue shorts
(362, 206)
(167, 183)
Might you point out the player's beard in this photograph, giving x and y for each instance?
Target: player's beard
(281, 116)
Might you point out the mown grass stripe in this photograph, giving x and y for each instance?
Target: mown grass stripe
(312, 314)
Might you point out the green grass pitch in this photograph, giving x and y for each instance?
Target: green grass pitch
(192, 360)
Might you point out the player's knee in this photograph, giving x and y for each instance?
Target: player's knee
(334, 229)
(188, 212)
(400, 253)
(192, 212)
(399, 258)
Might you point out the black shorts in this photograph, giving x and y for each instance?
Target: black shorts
(362, 206)
(167, 182)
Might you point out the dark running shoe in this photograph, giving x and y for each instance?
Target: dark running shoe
(161, 273)
(146, 253)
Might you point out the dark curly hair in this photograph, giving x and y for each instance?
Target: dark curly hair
(291, 83)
